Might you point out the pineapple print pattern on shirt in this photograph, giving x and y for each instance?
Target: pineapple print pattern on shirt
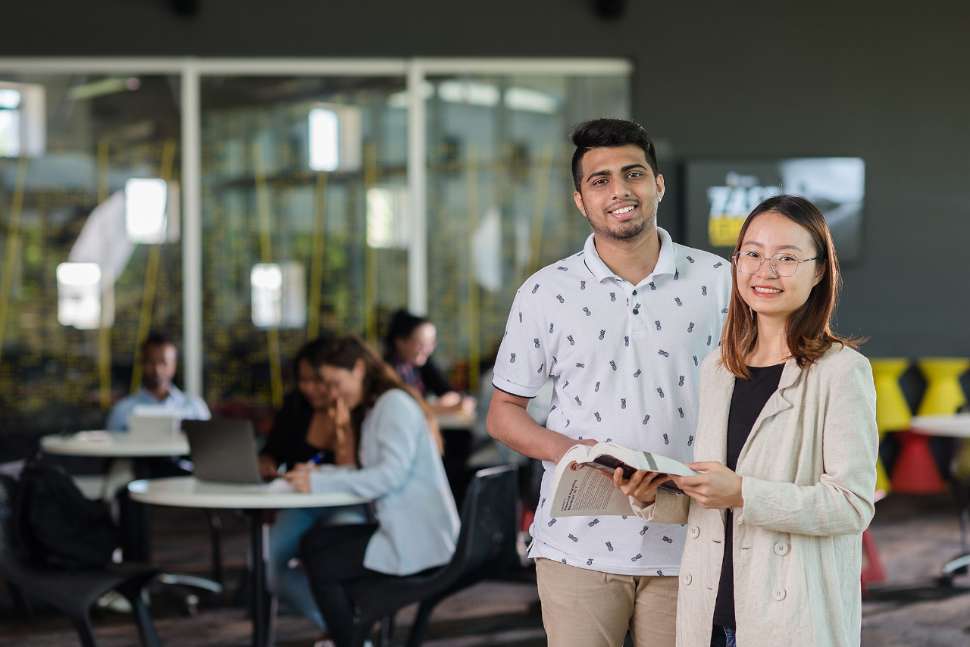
(623, 359)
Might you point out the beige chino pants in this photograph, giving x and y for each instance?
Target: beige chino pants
(583, 608)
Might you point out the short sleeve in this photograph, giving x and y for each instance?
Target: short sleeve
(523, 361)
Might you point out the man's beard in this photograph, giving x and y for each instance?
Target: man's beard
(626, 231)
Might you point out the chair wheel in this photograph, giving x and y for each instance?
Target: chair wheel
(191, 604)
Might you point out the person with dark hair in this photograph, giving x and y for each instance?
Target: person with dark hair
(408, 345)
(785, 448)
(619, 330)
(159, 361)
(304, 430)
(417, 523)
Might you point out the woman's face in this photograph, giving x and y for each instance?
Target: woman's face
(311, 385)
(779, 241)
(347, 385)
(417, 348)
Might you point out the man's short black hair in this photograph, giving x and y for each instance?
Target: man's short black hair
(600, 133)
(156, 338)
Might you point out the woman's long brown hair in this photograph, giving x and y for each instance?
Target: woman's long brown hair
(809, 328)
(379, 378)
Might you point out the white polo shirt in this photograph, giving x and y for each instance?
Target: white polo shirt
(624, 360)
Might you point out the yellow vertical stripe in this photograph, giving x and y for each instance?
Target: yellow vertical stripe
(104, 330)
(166, 167)
(473, 314)
(317, 256)
(370, 254)
(13, 246)
(266, 254)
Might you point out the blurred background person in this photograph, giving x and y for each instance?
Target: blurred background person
(303, 428)
(417, 523)
(159, 362)
(408, 346)
(304, 431)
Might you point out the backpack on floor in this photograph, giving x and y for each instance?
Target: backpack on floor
(57, 525)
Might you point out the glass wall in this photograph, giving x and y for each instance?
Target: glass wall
(298, 197)
(91, 257)
(500, 196)
(304, 220)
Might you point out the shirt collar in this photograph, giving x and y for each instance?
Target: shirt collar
(666, 262)
(174, 394)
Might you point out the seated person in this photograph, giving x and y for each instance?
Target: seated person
(159, 360)
(302, 428)
(401, 472)
(303, 431)
(408, 346)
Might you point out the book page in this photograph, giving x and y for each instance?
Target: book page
(586, 491)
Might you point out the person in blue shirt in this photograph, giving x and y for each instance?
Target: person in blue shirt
(159, 361)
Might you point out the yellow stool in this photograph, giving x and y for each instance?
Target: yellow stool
(944, 396)
(943, 393)
(892, 410)
(916, 471)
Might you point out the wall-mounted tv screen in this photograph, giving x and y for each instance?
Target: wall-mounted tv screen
(721, 193)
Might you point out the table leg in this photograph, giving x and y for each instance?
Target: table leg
(134, 522)
(259, 604)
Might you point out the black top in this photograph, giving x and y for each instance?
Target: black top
(426, 379)
(747, 401)
(287, 443)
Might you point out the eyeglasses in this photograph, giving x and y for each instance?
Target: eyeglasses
(750, 262)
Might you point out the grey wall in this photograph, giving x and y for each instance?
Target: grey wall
(883, 81)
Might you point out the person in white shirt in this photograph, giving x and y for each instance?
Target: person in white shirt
(159, 361)
(620, 328)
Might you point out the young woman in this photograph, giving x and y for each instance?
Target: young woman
(304, 430)
(303, 427)
(408, 346)
(785, 449)
(401, 472)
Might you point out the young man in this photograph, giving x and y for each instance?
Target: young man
(159, 360)
(621, 329)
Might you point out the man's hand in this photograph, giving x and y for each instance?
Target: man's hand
(299, 477)
(642, 485)
(715, 487)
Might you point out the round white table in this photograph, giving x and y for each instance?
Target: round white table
(189, 492)
(956, 426)
(108, 444)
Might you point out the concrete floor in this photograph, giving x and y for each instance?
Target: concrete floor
(914, 534)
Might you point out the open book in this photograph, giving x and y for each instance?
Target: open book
(583, 481)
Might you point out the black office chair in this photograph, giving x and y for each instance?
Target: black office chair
(486, 546)
(70, 592)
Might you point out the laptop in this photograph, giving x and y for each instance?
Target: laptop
(223, 450)
(150, 422)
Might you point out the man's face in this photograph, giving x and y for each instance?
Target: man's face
(158, 364)
(618, 192)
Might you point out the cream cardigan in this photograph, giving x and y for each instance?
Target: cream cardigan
(808, 474)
